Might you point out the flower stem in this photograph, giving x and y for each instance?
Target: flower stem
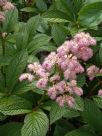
(40, 101)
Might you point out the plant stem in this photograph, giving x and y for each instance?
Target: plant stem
(92, 90)
(40, 101)
(96, 85)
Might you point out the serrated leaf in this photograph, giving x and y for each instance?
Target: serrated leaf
(38, 41)
(66, 7)
(32, 25)
(57, 112)
(11, 129)
(14, 105)
(11, 20)
(23, 87)
(15, 68)
(92, 115)
(58, 33)
(22, 39)
(81, 80)
(55, 16)
(91, 14)
(35, 124)
(71, 113)
(79, 104)
(98, 101)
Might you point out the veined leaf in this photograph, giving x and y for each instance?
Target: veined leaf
(23, 87)
(55, 16)
(32, 25)
(58, 33)
(98, 101)
(38, 41)
(91, 14)
(92, 115)
(66, 7)
(79, 104)
(15, 68)
(81, 80)
(14, 105)
(56, 112)
(11, 20)
(35, 124)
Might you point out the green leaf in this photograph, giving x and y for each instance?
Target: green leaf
(71, 113)
(35, 124)
(98, 101)
(4, 60)
(79, 104)
(62, 127)
(92, 115)
(15, 68)
(58, 33)
(91, 14)
(32, 59)
(81, 80)
(41, 5)
(23, 87)
(55, 16)
(32, 25)
(38, 41)
(28, 9)
(57, 112)
(11, 20)
(92, 1)
(66, 7)
(2, 117)
(14, 105)
(100, 54)
(22, 39)
(11, 129)
(80, 132)
(48, 47)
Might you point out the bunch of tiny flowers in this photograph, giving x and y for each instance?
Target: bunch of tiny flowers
(61, 85)
(92, 71)
(4, 6)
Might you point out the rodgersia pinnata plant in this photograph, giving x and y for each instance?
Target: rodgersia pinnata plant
(50, 68)
(67, 62)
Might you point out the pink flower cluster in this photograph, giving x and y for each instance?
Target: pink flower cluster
(62, 86)
(4, 5)
(92, 71)
(63, 91)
